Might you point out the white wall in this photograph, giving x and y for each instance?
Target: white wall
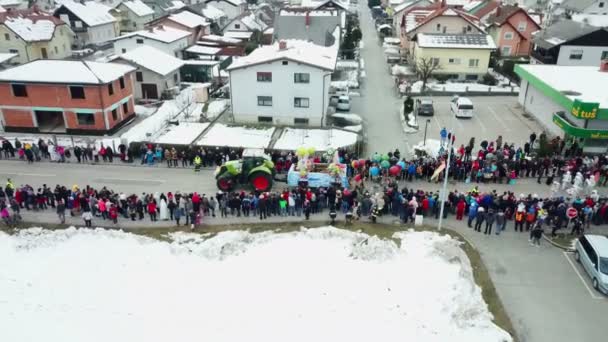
(101, 33)
(162, 82)
(130, 43)
(591, 54)
(245, 89)
(235, 25)
(136, 23)
(595, 8)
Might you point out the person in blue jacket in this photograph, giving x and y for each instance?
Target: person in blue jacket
(472, 212)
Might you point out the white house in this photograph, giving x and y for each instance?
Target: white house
(286, 83)
(90, 21)
(133, 15)
(246, 21)
(167, 39)
(232, 8)
(215, 14)
(586, 6)
(157, 72)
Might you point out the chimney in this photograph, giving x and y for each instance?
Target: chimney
(282, 45)
(498, 11)
(604, 65)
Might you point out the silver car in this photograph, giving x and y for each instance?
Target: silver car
(592, 252)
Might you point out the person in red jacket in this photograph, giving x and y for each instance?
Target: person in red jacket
(114, 213)
(152, 210)
(460, 207)
(425, 206)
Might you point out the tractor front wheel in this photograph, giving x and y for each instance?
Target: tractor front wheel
(225, 183)
(261, 181)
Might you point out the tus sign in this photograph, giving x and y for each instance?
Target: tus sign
(585, 110)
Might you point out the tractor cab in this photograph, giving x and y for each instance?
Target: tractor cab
(255, 168)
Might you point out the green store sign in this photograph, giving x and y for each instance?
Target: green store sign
(577, 131)
(585, 110)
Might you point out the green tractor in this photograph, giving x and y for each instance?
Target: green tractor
(255, 168)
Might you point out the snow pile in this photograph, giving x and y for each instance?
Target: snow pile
(236, 136)
(356, 128)
(464, 87)
(104, 285)
(431, 148)
(145, 111)
(347, 64)
(401, 70)
(320, 139)
(354, 118)
(183, 134)
(216, 108)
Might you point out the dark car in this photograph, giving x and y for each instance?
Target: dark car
(425, 107)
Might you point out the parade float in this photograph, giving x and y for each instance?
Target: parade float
(307, 173)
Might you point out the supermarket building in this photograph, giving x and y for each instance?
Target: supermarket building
(568, 101)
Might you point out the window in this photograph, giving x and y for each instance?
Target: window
(600, 5)
(77, 92)
(300, 121)
(505, 51)
(114, 114)
(124, 50)
(285, 62)
(111, 89)
(265, 119)
(139, 41)
(576, 54)
(435, 61)
(265, 101)
(121, 80)
(175, 78)
(139, 77)
(56, 50)
(264, 77)
(301, 77)
(78, 24)
(454, 61)
(508, 35)
(604, 55)
(473, 63)
(19, 90)
(87, 119)
(237, 26)
(13, 51)
(300, 102)
(438, 27)
(469, 28)
(522, 26)
(125, 108)
(470, 78)
(7, 36)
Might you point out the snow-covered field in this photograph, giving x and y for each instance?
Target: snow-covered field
(321, 284)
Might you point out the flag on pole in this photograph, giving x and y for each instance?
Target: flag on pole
(438, 170)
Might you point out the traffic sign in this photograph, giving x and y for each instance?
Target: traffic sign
(571, 213)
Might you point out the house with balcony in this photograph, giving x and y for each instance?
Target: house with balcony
(133, 15)
(511, 27)
(568, 42)
(91, 21)
(32, 34)
(459, 56)
(569, 101)
(286, 83)
(187, 20)
(167, 39)
(74, 97)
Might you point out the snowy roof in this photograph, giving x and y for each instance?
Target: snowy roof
(183, 134)
(198, 62)
(561, 32)
(403, 6)
(455, 41)
(252, 22)
(138, 7)
(31, 25)
(471, 4)
(60, 71)
(161, 33)
(203, 50)
(291, 12)
(189, 19)
(213, 12)
(588, 81)
(415, 17)
(297, 50)
(174, 5)
(577, 5)
(4, 57)
(2, 10)
(320, 139)
(236, 136)
(238, 34)
(599, 20)
(222, 39)
(91, 12)
(153, 60)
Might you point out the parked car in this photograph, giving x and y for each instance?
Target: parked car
(343, 103)
(346, 119)
(592, 252)
(462, 107)
(425, 107)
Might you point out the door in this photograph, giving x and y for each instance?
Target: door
(43, 53)
(149, 91)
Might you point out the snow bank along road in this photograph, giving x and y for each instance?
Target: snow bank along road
(88, 285)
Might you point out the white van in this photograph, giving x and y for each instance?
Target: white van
(343, 103)
(462, 107)
(592, 252)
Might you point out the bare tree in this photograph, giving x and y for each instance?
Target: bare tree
(425, 67)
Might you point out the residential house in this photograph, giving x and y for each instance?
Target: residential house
(212, 13)
(185, 19)
(512, 29)
(246, 21)
(286, 83)
(568, 42)
(33, 34)
(75, 97)
(444, 20)
(5, 59)
(90, 21)
(586, 6)
(317, 26)
(163, 7)
(482, 9)
(232, 8)
(459, 56)
(10, 5)
(400, 11)
(167, 39)
(133, 15)
(157, 73)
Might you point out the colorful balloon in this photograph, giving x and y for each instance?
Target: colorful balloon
(358, 178)
(374, 171)
(402, 164)
(394, 170)
(355, 164)
(385, 157)
(362, 162)
(385, 164)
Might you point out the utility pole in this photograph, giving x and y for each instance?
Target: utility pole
(443, 193)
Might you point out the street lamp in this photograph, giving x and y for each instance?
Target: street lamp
(426, 125)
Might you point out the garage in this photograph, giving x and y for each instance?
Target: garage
(149, 91)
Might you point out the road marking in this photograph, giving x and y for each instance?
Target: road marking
(591, 291)
(437, 123)
(498, 119)
(29, 174)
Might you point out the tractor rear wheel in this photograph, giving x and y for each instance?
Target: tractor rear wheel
(225, 183)
(260, 181)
